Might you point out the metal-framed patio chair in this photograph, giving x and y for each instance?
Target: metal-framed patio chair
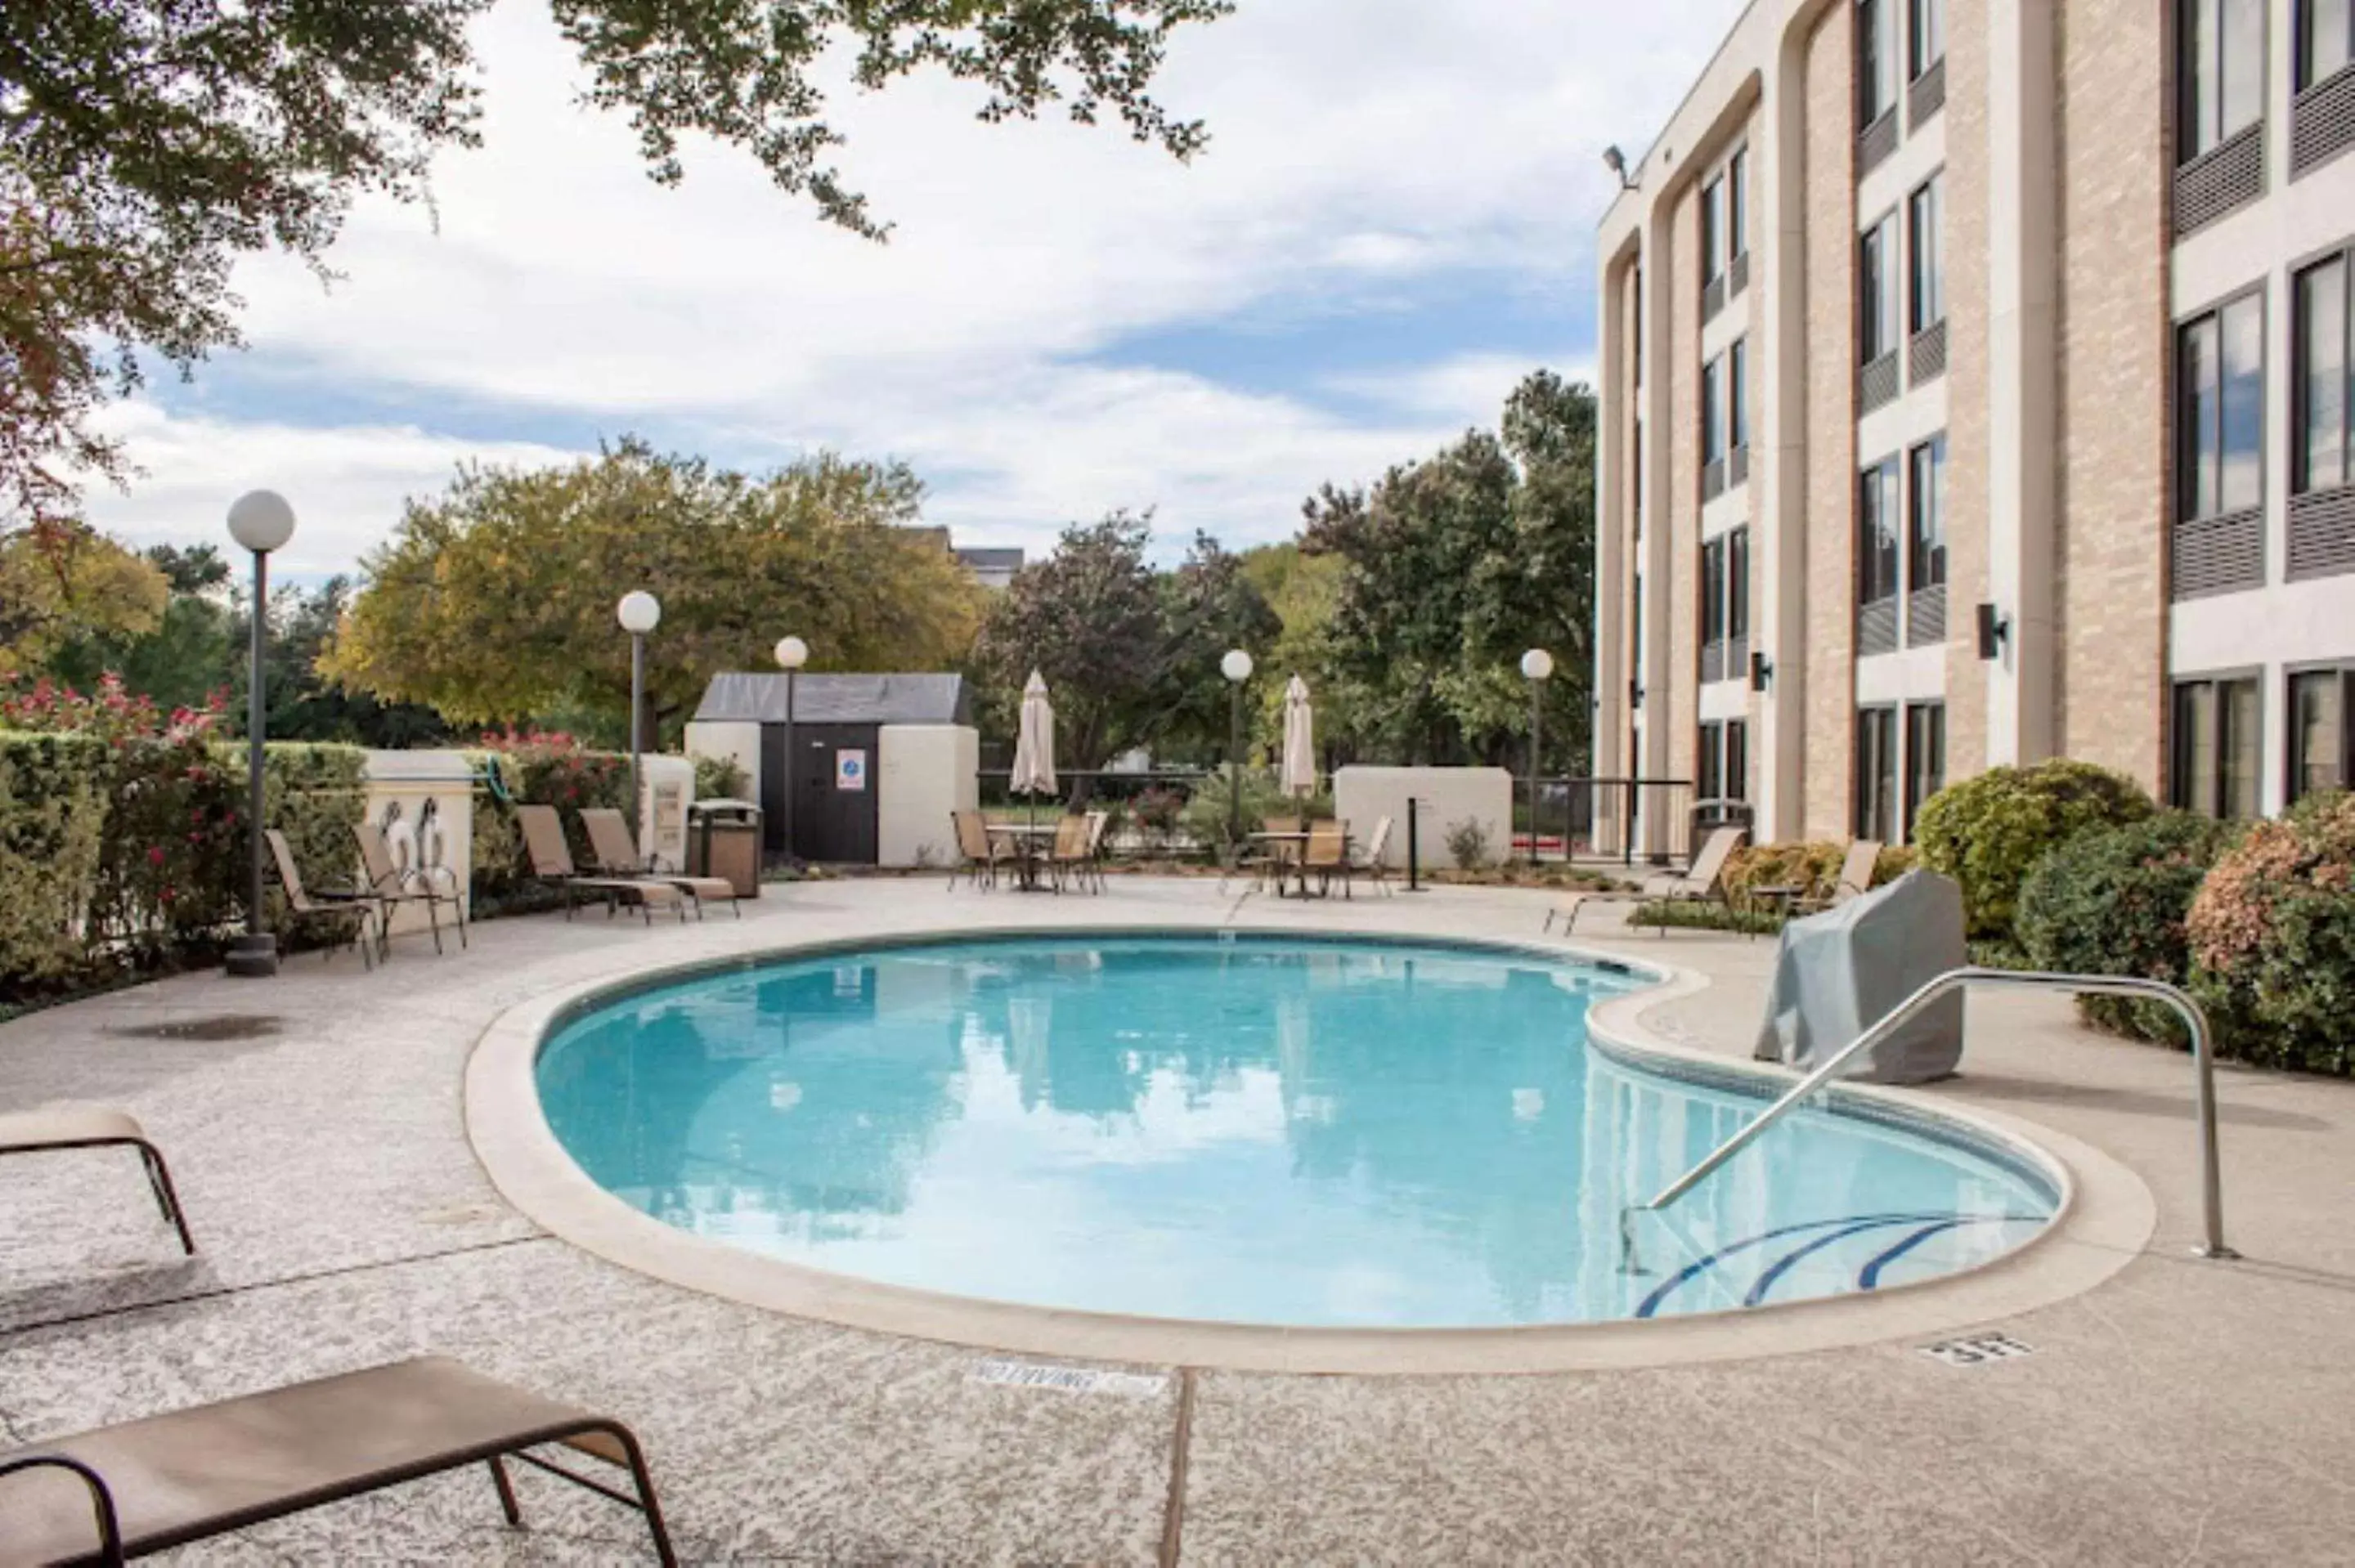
(63, 1128)
(1327, 855)
(353, 907)
(978, 854)
(391, 885)
(615, 854)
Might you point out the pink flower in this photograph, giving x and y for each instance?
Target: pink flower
(156, 854)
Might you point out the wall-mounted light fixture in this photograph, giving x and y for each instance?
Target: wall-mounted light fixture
(1762, 672)
(1993, 632)
(1634, 693)
(1616, 162)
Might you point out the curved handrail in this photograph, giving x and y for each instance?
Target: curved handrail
(2211, 1187)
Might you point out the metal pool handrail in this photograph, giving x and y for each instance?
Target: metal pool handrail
(2212, 1184)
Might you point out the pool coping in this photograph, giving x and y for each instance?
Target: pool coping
(2103, 1220)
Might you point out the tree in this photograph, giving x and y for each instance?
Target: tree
(495, 602)
(66, 583)
(146, 146)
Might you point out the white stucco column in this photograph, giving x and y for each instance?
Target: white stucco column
(1779, 563)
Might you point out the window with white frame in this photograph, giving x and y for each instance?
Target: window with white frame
(1926, 269)
(2320, 379)
(2221, 73)
(2220, 409)
(1877, 286)
(2326, 39)
(1925, 35)
(1876, 60)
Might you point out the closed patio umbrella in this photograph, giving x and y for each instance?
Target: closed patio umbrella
(1299, 773)
(1034, 747)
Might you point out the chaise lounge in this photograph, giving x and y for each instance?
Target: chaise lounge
(617, 856)
(145, 1486)
(62, 1127)
(551, 862)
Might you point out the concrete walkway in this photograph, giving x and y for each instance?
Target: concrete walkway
(2183, 1411)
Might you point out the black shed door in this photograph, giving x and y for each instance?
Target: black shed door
(833, 779)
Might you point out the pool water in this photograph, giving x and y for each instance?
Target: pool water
(1266, 1130)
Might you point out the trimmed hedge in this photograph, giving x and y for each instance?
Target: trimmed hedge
(2114, 901)
(2273, 939)
(52, 821)
(1988, 832)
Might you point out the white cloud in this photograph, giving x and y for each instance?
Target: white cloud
(1358, 146)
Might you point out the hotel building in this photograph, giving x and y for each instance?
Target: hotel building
(1974, 381)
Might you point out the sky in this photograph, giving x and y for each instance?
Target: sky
(1392, 224)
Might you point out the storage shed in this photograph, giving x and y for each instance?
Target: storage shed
(875, 762)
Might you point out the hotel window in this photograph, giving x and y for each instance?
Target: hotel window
(1712, 411)
(1925, 536)
(2319, 381)
(1712, 230)
(1876, 303)
(1925, 219)
(2325, 40)
(1635, 480)
(1737, 394)
(2321, 741)
(1722, 767)
(1926, 35)
(2223, 74)
(1737, 204)
(2217, 742)
(1877, 525)
(2220, 409)
(1925, 758)
(1712, 601)
(1876, 774)
(1635, 292)
(1876, 61)
(1737, 592)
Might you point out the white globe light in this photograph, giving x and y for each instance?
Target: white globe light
(792, 652)
(1236, 666)
(639, 612)
(261, 521)
(1537, 664)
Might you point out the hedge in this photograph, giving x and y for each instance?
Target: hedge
(2273, 939)
(537, 769)
(1988, 832)
(2114, 901)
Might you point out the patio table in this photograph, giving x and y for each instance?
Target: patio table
(1291, 855)
(1027, 839)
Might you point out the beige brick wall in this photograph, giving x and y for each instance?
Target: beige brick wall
(1966, 382)
(1680, 516)
(2109, 610)
(1616, 751)
(1830, 347)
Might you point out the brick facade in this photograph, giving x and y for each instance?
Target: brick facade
(1830, 590)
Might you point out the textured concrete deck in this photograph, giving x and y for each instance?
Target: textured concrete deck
(2182, 1411)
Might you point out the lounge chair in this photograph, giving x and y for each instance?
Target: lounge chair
(62, 1127)
(390, 886)
(1703, 881)
(616, 855)
(551, 862)
(345, 908)
(1371, 858)
(1855, 877)
(1327, 854)
(978, 853)
(145, 1486)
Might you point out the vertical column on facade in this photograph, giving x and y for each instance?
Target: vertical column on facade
(1614, 515)
(1657, 670)
(2023, 335)
(1778, 521)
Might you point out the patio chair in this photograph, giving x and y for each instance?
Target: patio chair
(346, 906)
(1098, 821)
(124, 1491)
(1068, 854)
(1703, 881)
(1327, 854)
(1369, 859)
(1268, 861)
(390, 886)
(978, 854)
(1855, 878)
(63, 1128)
(616, 855)
(551, 862)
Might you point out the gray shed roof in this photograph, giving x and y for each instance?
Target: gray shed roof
(835, 699)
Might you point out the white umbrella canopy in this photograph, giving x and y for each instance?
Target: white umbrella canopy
(1299, 773)
(1034, 747)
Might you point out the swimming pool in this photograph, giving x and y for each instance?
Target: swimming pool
(1256, 1129)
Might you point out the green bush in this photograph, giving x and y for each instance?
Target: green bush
(536, 768)
(1467, 845)
(1205, 816)
(721, 779)
(2272, 941)
(2114, 901)
(1814, 868)
(1990, 831)
(52, 819)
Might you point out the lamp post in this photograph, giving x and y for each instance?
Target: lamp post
(639, 613)
(1537, 665)
(1237, 668)
(792, 654)
(259, 521)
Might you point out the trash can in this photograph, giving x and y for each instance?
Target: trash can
(723, 839)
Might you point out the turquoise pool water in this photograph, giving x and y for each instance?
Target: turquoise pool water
(1253, 1129)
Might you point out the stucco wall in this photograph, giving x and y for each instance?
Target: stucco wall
(1680, 517)
(1363, 796)
(924, 772)
(740, 743)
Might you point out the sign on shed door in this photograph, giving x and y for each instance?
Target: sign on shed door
(850, 770)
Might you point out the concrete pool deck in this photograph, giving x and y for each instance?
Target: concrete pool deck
(2178, 1411)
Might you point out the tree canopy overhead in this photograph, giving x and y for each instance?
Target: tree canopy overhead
(495, 601)
(145, 145)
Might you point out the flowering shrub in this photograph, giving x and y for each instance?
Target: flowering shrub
(2114, 901)
(1156, 811)
(1988, 832)
(2273, 939)
(1814, 868)
(538, 767)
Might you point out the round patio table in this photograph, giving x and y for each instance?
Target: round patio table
(1027, 839)
(1293, 851)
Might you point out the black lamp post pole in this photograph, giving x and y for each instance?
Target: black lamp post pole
(1537, 763)
(1235, 771)
(792, 771)
(255, 954)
